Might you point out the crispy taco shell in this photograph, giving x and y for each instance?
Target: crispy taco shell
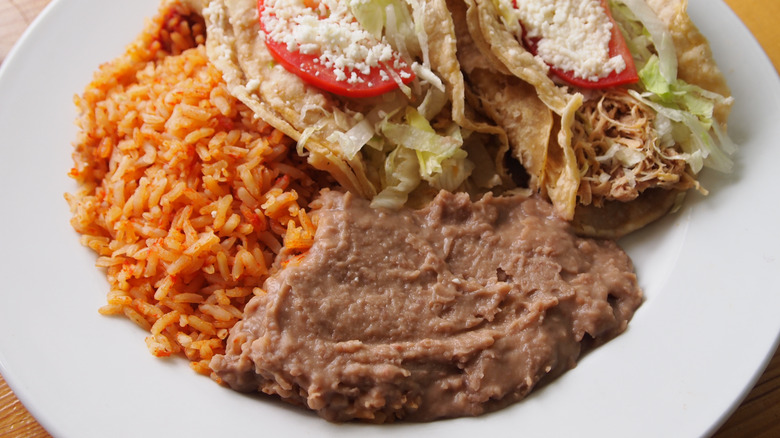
(307, 114)
(506, 99)
(615, 219)
(562, 176)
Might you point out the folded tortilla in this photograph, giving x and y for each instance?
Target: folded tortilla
(235, 44)
(561, 168)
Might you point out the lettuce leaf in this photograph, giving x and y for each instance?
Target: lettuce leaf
(417, 134)
(641, 23)
(690, 109)
(421, 153)
(402, 175)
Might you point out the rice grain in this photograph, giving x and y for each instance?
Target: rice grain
(185, 197)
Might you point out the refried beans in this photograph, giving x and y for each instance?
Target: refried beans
(453, 310)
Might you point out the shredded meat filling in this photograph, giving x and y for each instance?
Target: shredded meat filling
(619, 152)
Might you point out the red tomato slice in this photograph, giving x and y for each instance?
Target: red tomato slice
(308, 68)
(617, 46)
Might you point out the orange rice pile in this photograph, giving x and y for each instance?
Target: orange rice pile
(186, 197)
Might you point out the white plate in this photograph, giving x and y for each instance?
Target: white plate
(704, 334)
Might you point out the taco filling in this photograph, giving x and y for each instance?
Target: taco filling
(618, 151)
(371, 92)
(639, 103)
(372, 308)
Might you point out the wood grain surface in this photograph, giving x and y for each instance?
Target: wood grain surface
(757, 416)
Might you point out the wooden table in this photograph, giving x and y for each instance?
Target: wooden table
(759, 413)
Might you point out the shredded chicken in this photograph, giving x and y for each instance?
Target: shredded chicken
(619, 153)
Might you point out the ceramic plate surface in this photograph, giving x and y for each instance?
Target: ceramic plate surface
(704, 334)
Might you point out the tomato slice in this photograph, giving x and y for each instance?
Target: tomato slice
(378, 81)
(617, 46)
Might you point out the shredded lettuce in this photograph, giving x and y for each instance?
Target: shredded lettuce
(372, 15)
(417, 134)
(402, 138)
(352, 141)
(390, 19)
(634, 32)
(652, 26)
(684, 111)
(699, 145)
(400, 23)
(420, 154)
(455, 170)
(402, 175)
(692, 107)
(305, 135)
(364, 131)
(433, 103)
(418, 15)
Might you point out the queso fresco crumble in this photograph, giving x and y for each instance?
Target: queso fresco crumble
(329, 29)
(573, 35)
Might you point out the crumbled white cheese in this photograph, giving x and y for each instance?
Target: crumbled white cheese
(215, 15)
(574, 35)
(331, 32)
(253, 85)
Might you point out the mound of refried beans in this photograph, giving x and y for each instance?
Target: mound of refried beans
(456, 309)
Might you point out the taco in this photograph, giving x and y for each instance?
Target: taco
(637, 103)
(371, 91)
